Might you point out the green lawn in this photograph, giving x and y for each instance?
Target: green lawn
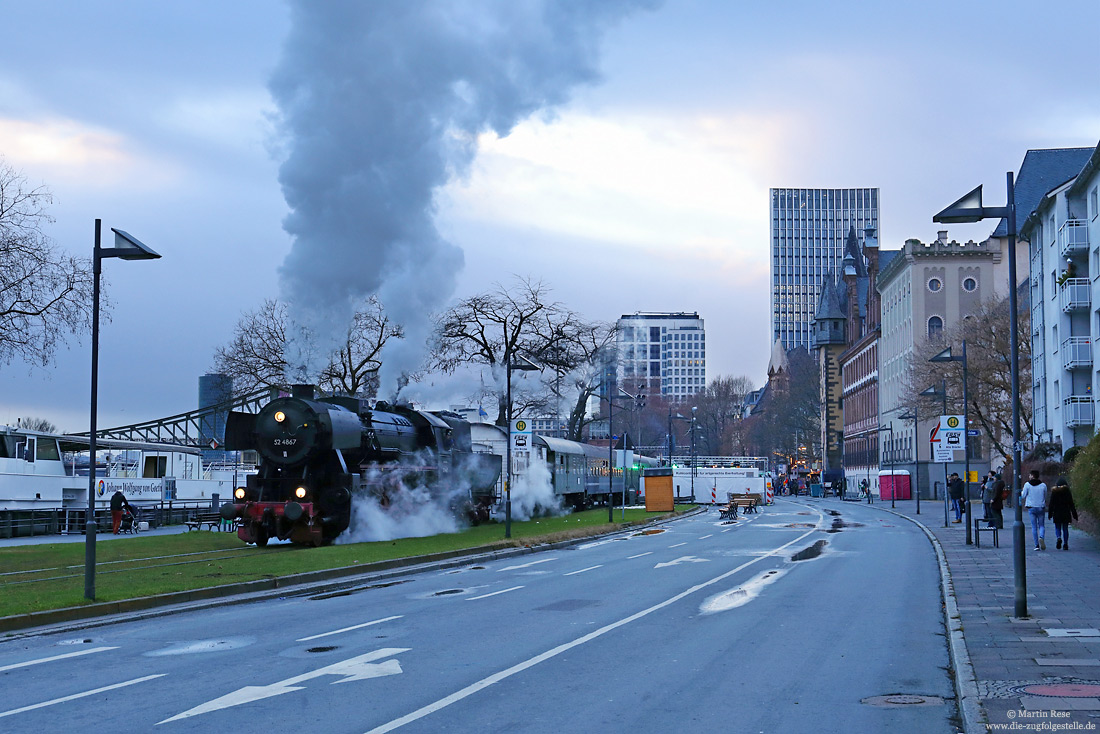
(51, 576)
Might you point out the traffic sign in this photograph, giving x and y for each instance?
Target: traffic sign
(951, 431)
(973, 432)
(521, 436)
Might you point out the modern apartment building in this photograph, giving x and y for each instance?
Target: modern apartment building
(1063, 242)
(809, 228)
(662, 354)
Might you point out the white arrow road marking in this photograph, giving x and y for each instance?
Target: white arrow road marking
(349, 629)
(486, 596)
(590, 568)
(357, 668)
(682, 559)
(56, 657)
(81, 695)
(525, 565)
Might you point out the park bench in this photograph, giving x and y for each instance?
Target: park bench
(747, 503)
(983, 526)
(210, 520)
(727, 511)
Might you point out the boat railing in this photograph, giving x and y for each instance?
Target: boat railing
(23, 523)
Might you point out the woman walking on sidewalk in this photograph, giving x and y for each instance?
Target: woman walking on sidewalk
(1034, 498)
(1061, 510)
(996, 505)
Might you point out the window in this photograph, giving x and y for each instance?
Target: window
(1092, 203)
(934, 284)
(969, 284)
(935, 327)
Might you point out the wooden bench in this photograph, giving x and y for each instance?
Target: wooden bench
(728, 511)
(211, 520)
(983, 526)
(748, 503)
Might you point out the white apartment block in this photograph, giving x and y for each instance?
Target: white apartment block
(662, 353)
(1063, 241)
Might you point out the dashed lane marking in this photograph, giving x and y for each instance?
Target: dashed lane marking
(677, 545)
(75, 696)
(486, 596)
(526, 565)
(639, 555)
(349, 629)
(706, 536)
(56, 657)
(590, 568)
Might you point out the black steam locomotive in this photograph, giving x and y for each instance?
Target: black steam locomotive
(317, 454)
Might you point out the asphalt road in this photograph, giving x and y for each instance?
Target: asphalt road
(699, 627)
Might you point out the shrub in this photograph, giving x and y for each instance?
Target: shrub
(1084, 477)
(1071, 454)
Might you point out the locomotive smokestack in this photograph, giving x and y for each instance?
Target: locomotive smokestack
(305, 392)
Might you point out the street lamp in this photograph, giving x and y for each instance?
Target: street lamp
(126, 247)
(889, 452)
(914, 484)
(968, 210)
(693, 409)
(525, 365)
(611, 452)
(670, 439)
(946, 356)
(932, 392)
(639, 403)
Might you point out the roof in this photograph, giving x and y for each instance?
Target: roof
(828, 305)
(1041, 171)
(560, 445)
(778, 361)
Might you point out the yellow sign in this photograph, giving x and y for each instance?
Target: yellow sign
(972, 476)
(521, 425)
(953, 421)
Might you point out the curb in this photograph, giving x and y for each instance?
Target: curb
(334, 579)
(966, 688)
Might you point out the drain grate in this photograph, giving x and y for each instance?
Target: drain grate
(897, 700)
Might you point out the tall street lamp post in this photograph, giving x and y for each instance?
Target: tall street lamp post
(126, 247)
(524, 365)
(693, 409)
(639, 403)
(670, 439)
(946, 356)
(611, 453)
(914, 484)
(932, 392)
(890, 457)
(969, 209)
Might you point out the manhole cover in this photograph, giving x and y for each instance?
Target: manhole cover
(903, 699)
(1062, 690)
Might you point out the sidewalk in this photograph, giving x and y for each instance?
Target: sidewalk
(1042, 672)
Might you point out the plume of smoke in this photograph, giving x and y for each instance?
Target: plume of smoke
(380, 104)
(414, 510)
(533, 495)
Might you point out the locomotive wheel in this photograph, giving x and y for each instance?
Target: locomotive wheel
(259, 533)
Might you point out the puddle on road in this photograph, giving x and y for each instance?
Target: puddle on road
(743, 594)
(813, 551)
(651, 531)
(201, 646)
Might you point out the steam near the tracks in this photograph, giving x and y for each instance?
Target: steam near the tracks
(533, 495)
(380, 104)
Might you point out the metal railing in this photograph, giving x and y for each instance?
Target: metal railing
(1076, 353)
(1078, 411)
(1073, 237)
(70, 521)
(1073, 294)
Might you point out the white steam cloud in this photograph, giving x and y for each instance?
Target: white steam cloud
(533, 495)
(380, 104)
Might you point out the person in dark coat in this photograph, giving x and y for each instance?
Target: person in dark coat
(118, 501)
(955, 491)
(997, 503)
(1060, 508)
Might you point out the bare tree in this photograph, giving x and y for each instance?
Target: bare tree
(505, 324)
(45, 294)
(719, 412)
(256, 355)
(787, 423)
(37, 424)
(986, 332)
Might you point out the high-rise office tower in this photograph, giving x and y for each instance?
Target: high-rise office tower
(663, 353)
(808, 231)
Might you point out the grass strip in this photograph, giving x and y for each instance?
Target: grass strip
(146, 566)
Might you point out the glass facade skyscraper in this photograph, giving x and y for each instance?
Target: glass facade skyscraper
(808, 230)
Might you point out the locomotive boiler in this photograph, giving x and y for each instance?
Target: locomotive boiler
(318, 454)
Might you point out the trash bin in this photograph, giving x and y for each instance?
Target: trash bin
(815, 490)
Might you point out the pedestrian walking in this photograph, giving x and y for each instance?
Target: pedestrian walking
(118, 501)
(997, 503)
(1060, 509)
(955, 491)
(1034, 498)
(987, 495)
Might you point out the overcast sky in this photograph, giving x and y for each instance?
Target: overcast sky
(643, 189)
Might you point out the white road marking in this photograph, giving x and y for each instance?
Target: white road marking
(75, 696)
(356, 668)
(677, 545)
(743, 594)
(486, 596)
(554, 652)
(640, 555)
(590, 568)
(525, 565)
(56, 657)
(706, 536)
(727, 530)
(349, 629)
(683, 559)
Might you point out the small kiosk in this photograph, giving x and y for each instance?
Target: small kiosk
(894, 484)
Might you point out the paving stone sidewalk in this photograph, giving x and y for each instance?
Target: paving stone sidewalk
(1041, 672)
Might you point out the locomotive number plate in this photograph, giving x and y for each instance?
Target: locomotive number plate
(285, 441)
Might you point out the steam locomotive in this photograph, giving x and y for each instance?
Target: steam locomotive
(317, 454)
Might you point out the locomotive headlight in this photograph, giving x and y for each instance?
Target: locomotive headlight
(280, 416)
(300, 493)
(239, 493)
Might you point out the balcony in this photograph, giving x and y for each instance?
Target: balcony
(1073, 237)
(1038, 370)
(1037, 319)
(1078, 411)
(1073, 294)
(1076, 353)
